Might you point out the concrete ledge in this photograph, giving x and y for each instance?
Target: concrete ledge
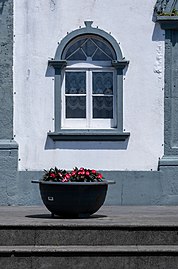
(171, 160)
(99, 250)
(8, 144)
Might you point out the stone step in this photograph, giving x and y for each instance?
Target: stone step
(116, 237)
(92, 250)
(105, 257)
(62, 235)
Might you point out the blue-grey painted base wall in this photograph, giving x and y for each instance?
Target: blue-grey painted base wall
(131, 188)
(8, 172)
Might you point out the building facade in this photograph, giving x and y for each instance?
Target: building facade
(89, 84)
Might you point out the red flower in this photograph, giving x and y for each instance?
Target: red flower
(81, 173)
(65, 180)
(67, 176)
(99, 176)
(52, 175)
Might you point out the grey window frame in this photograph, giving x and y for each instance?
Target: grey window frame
(114, 134)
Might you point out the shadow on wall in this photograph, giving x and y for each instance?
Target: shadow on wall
(92, 145)
(158, 33)
(2, 3)
(50, 72)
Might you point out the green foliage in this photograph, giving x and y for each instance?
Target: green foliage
(173, 13)
(76, 175)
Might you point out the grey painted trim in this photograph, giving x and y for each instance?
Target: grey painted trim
(168, 161)
(167, 92)
(91, 135)
(8, 147)
(119, 100)
(58, 66)
(171, 94)
(88, 30)
(57, 101)
(6, 71)
(6, 76)
(8, 144)
(168, 22)
(119, 65)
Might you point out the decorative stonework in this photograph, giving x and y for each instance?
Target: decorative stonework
(160, 6)
(165, 6)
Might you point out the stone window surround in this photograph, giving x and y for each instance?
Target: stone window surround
(115, 134)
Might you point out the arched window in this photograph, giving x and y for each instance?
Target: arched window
(88, 87)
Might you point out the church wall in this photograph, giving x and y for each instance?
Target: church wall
(38, 28)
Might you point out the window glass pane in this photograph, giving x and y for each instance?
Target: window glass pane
(77, 56)
(74, 47)
(103, 83)
(89, 48)
(103, 107)
(105, 48)
(75, 83)
(100, 56)
(75, 107)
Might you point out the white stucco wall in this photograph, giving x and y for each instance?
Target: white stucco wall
(38, 26)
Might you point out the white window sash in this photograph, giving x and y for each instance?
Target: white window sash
(88, 122)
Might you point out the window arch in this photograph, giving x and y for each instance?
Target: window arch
(89, 46)
(88, 87)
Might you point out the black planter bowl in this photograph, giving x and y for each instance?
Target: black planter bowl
(73, 199)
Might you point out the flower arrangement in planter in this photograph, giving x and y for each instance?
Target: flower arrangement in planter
(76, 175)
(77, 193)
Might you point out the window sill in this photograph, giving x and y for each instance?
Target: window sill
(90, 135)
